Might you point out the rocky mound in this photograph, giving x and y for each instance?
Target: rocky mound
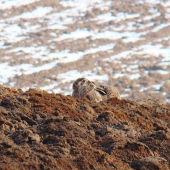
(40, 130)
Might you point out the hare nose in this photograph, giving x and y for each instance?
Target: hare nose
(76, 86)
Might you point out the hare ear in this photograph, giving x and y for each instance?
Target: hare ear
(100, 90)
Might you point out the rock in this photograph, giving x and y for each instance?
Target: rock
(34, 138)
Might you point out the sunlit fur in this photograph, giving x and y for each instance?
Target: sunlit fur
(83, 87)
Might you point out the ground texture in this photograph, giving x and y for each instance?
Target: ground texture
(39, 130)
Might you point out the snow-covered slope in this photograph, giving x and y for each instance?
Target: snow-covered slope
(122, 43)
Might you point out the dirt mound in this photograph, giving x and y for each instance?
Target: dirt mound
(40, 130)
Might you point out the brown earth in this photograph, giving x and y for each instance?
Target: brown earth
(40, 130)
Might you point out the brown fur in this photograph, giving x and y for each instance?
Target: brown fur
(82, 87)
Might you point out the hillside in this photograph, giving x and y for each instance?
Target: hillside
(40, 130)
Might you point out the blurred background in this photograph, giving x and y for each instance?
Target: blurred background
(49, 45)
